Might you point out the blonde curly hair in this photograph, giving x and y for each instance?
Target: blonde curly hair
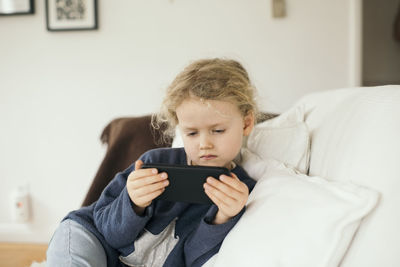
(206, 79)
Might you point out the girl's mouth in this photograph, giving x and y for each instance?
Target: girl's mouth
(208, 157)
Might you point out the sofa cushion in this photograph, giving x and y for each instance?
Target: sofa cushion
(284, 138)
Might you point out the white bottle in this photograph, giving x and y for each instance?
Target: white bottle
(21, 205)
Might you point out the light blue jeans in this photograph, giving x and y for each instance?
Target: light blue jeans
(73, 245)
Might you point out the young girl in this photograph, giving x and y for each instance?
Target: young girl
(212, 104)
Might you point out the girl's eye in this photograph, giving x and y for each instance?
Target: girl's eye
(219, 131)
(191, 133)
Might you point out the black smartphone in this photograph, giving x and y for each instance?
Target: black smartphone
(186, 182)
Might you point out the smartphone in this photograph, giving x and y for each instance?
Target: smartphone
(186, 182)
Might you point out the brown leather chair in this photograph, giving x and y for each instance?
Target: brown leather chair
(126, 140)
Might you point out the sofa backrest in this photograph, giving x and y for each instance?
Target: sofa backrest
(355, 135)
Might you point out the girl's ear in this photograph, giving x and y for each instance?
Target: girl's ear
(248, 123)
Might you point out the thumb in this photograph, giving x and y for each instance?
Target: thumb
(234, 176)
(138, 164)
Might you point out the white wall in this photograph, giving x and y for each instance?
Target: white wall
(59, 89)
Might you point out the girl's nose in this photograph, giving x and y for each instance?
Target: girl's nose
(205, 142)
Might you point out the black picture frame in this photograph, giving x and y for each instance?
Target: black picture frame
(67, 15)
(16, 7)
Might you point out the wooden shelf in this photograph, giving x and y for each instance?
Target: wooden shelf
(21, 254)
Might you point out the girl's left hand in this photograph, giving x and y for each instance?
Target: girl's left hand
(229, 194)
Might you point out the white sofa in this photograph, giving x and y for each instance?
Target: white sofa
(355, 134)
(355, 146)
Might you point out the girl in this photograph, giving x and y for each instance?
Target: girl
(212, 103)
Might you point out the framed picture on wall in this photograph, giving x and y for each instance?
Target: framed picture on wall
(71, 15)
(16, 7)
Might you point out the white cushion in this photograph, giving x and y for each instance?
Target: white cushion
(356, 136)
(177, 141)
(284, 138)
(294, 220)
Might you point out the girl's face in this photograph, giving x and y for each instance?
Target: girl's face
(212, 131)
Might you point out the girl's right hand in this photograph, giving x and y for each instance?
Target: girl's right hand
(144, 185)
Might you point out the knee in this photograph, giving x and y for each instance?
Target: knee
(74, 245)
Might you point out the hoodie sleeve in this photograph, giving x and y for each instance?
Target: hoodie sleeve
(114, 216)
(206, 239)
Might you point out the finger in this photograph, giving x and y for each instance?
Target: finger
(218, 201)
(147, 180)
(149, 189)
(225, 188)
(138, 164)
(234, 182)
(141, 173)
(150, 197)
(213, 198)
(218, 195)
(228, 209)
